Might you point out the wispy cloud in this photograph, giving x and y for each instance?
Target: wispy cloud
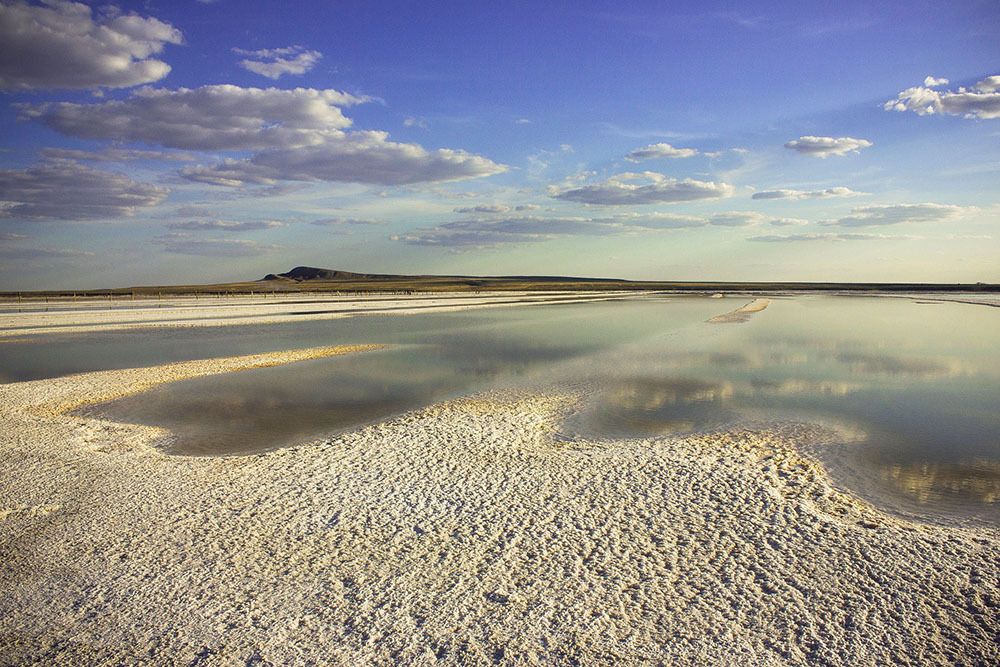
(20, 253)
(337, 222)
(828, 193)
(484, 208)
(185, 244)
(661, 150)
(225, 225)
(796, 238)
(494, 231)
(115, 155)
(274, 63)
(653, 188)
(894, 214)
(357, 157)
(70, 191)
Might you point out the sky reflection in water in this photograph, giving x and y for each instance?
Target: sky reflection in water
(919, 382)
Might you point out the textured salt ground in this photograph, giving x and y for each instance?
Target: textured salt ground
(188, 312)
(741, 314)
(464, 533)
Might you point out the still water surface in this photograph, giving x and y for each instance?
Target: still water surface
(914, 386)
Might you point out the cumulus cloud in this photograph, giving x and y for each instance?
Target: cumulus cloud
(70, 191)
(788, 222)
(826, 146)
(273, 63)
(654, 151)
(225, 225)
(981, 101)
(894, 214)
(115, 155)
(184, 244)
(828, 193)
(300, 133)
(654, 188)
(356, 157)
(61, 45)
(219, 117)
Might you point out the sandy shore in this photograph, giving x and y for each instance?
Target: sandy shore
(463, 533)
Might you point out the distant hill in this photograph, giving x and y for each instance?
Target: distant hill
(301, 273)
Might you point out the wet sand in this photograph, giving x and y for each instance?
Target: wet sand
(464, 533)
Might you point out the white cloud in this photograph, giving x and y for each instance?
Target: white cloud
(13, 253)
(989, 85)
(115, 155)
(60, 45)
(483, 208)
(657, 189)
(69, 191)
(300, 132)
(497, 231)
(184, 244)
(357, 157)
(788, 222)
(826, 146)
(794, 238)
(659, 220)
(655, 151)
(982, 101)
(828, 193)
(10, 236)
(931, 82)
(225, 225)
(273, 63)
(336, 222)
(737, 219)
(894, 214)
(500, 231)
(220, 117)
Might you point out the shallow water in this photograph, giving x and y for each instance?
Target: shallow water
(911, 388)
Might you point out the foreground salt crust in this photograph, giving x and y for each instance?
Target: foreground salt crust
(463, 533)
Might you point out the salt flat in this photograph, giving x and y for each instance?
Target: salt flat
(467, 532)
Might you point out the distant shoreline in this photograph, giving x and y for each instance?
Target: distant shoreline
(473, 284)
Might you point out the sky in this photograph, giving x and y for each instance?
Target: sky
(195, 141)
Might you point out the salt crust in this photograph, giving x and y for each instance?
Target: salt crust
(463, 533)
(741, 314)
(208, 311)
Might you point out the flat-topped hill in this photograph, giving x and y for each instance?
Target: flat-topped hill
(300, 273)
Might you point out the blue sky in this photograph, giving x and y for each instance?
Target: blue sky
(190, 142)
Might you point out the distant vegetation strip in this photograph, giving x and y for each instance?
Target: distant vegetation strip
(311, 280)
